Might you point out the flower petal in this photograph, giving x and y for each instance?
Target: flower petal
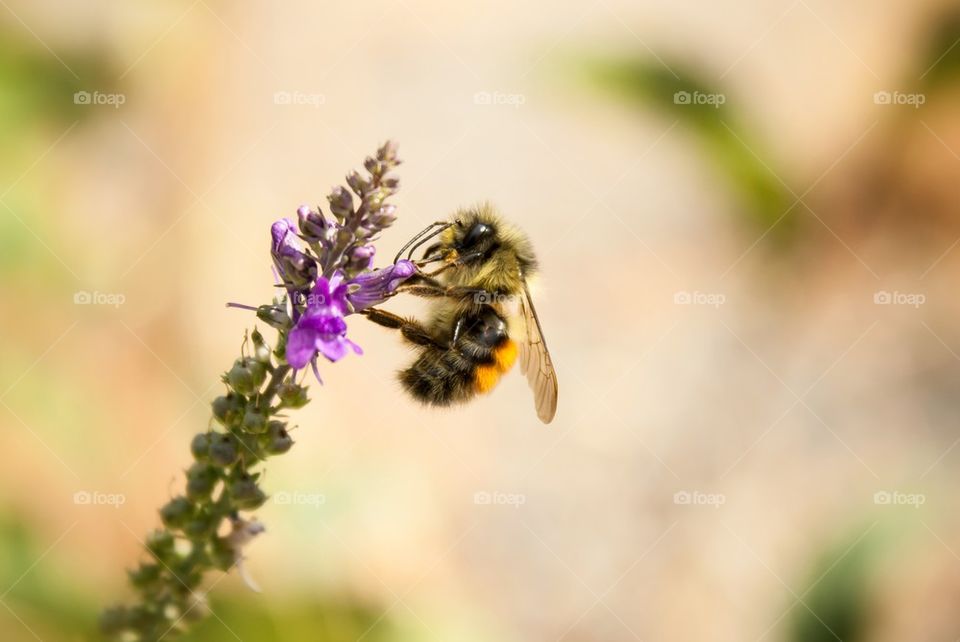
(301, 345)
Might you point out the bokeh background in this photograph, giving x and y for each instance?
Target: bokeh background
(748, 220)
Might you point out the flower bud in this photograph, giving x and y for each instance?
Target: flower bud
(240, 378)
(385, 216)
(388, 153)
(390, 183)
(357, 183)
(341, 202)
(274, 316)
(144, 575)
(246, 494)
(292, 395)
(374, 200)
(223, 450)
(201, 478)
(228, 409)
(187, 574)
(160, 543)
(277, 440)
(246, 376)
(200, 446)
(261, 351)
(202, 525)
(373, 166)
(176, 512)
(249, 447)
(358, 259)
(313, 225)
(254, 421)
(258, 370)
(223, 554)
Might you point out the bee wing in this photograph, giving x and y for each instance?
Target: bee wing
(535, 360)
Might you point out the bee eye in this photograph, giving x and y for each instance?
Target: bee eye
(477, 232)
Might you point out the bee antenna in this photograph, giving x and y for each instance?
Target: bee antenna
(417, 240)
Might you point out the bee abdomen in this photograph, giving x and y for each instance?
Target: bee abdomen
(439, 378)
(482, 354)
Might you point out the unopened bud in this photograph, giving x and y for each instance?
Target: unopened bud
(144, 575)
(261, 351)
(176, 512)
(357, 183)
(200, 446)
(341, 202)
(246, 494)
(293, 395)
(201, 478)
(223, 450)
(229, 409)
(254, 422)
(313, 225)
(274, 316)
(277, 440)
(359, 259)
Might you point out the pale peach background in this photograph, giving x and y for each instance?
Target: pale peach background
(168, 200)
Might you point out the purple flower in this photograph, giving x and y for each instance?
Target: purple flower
(321, 328)
(371, 288)
(295, 267)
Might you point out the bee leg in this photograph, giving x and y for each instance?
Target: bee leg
(431, 291)
(457, 329)
(412, 330)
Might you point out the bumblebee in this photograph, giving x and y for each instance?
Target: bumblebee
(471, 339)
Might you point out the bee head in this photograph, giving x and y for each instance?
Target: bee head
(473, 237)
(478, 235)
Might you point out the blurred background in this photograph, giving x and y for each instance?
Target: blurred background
(748, 220)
